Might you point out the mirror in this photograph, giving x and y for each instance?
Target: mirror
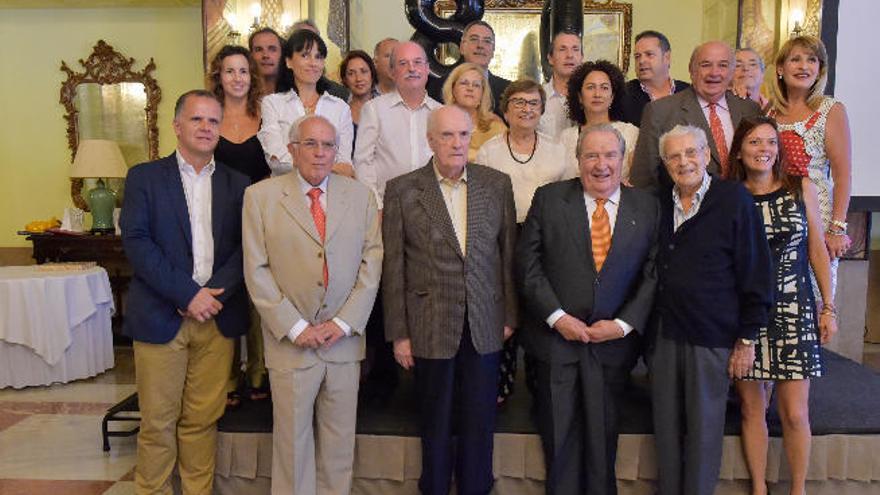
(110, 101)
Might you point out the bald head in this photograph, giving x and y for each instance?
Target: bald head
(711, 69)
(449, 134)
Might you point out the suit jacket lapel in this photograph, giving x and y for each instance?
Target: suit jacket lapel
(432, 200)
(576, 216)
(293, 202)
(178, 197)
(337, 205)
(695, 116)
(219, 201)
(623, 226)
(477, 206)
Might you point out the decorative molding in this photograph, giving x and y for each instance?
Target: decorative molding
(107, 66)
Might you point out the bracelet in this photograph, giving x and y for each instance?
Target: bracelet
(828, 311)
(839, 224)
(836, 232)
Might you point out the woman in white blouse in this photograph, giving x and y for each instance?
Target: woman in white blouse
(595, 91)
(306, 55)
(530, 158)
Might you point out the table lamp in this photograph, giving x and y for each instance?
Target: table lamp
(99, 159)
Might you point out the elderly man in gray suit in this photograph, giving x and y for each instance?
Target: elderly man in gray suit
(449, 298)
(707, 104)
(312, 262)
(585, 268)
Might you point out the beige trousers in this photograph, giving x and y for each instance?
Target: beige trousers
(314, 411)
(181, 395)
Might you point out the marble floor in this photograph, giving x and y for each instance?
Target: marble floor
(50, 437)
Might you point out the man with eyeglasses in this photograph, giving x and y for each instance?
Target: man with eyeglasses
(312, 262)
(449, 299)
(587, 298)
(477, 46)
(714, 290)
(707, 104)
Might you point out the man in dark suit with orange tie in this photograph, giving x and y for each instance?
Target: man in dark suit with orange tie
(584, 267)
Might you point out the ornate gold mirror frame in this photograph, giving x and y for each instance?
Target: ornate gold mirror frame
(607, 34)
(103, 68)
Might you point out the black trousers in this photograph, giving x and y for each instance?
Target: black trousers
(578, 410)
(457, 396)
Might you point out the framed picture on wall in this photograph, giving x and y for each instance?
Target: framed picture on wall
(517, 23)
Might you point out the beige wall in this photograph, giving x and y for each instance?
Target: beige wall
(34, 157)
(33, 145)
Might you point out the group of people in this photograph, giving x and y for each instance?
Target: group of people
(441, 223)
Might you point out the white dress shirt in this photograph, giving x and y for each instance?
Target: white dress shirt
(455, 196)
(611, 207)
(547, 165)
(300, 326)
(679, 216)
(280, 110)
(555, 118)
(392, 140)
(197, 190)
(569, 138)
(723, 111)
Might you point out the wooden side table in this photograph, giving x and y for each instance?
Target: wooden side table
(106, 250)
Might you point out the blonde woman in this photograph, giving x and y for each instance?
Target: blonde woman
(815, 136)
(468, 88)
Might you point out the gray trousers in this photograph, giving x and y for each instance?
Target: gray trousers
(689, 387)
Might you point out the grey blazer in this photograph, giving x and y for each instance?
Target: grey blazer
(429, 286)
(555, 269)
(664, 114)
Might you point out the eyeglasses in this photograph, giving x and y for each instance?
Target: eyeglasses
(313, 145)
(469, 84)
(522, 103)
(689, 153)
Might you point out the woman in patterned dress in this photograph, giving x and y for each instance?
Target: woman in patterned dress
(815, 136)
(787, 351)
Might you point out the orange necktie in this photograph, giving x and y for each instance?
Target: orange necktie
(600, 234)
(320, 223)
(718, 137)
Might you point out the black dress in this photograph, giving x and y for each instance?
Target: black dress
(788, 349)
(246, 157)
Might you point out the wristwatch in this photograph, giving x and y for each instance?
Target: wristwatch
(746, 342)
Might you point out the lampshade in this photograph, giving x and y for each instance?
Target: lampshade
(96, 158)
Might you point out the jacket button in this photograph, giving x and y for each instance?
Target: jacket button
(320, 284)
(672, 247)
(320, 255)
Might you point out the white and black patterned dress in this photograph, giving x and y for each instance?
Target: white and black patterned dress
(789, 348)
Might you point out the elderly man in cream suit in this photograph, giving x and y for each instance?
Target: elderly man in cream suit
(312, 262)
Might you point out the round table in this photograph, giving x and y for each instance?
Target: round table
(54, 325)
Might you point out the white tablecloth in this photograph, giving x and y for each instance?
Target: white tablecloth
(54, 325)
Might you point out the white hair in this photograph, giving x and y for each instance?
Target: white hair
(433, 116)
(293, 134)
(680, 130)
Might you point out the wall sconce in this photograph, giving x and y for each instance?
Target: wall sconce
(797, 17)
(256, 10)
(235, 33)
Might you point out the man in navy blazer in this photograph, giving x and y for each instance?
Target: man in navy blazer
(181, 230)
(587, 304)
